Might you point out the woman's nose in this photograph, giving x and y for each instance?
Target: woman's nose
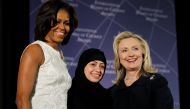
(130, 53)
(61, 25)
(98, 68)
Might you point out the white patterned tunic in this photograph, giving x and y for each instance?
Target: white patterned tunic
(53, 81)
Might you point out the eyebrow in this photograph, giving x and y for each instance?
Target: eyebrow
(63, 19)
(98, 60)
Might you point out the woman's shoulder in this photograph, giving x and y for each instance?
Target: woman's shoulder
(158, 80)
(33, 49)
(156, 77)
(32, 53)
(111, 87)
(116, 87)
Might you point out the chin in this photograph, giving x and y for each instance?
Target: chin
(95, 80)
(60, 40)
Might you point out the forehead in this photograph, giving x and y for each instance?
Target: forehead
(62, 13)
(129, 42)
(97, 61)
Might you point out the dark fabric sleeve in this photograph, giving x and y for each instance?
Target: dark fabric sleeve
(74, 101)
(161, 97)
(70, 100)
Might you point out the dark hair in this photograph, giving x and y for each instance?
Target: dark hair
(48, 14)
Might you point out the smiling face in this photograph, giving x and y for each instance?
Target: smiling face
(61, 29)
(130, 54)
(94, 70)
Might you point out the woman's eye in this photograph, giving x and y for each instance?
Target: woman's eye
(102, 66)
(124, 50)
(66, 23)
(93, 64)
(135, 48)
(58, 21)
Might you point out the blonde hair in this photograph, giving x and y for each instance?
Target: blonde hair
(147, 66)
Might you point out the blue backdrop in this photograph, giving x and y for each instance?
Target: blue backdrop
(101, 20)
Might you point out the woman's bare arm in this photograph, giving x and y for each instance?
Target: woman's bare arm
(30, 61)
